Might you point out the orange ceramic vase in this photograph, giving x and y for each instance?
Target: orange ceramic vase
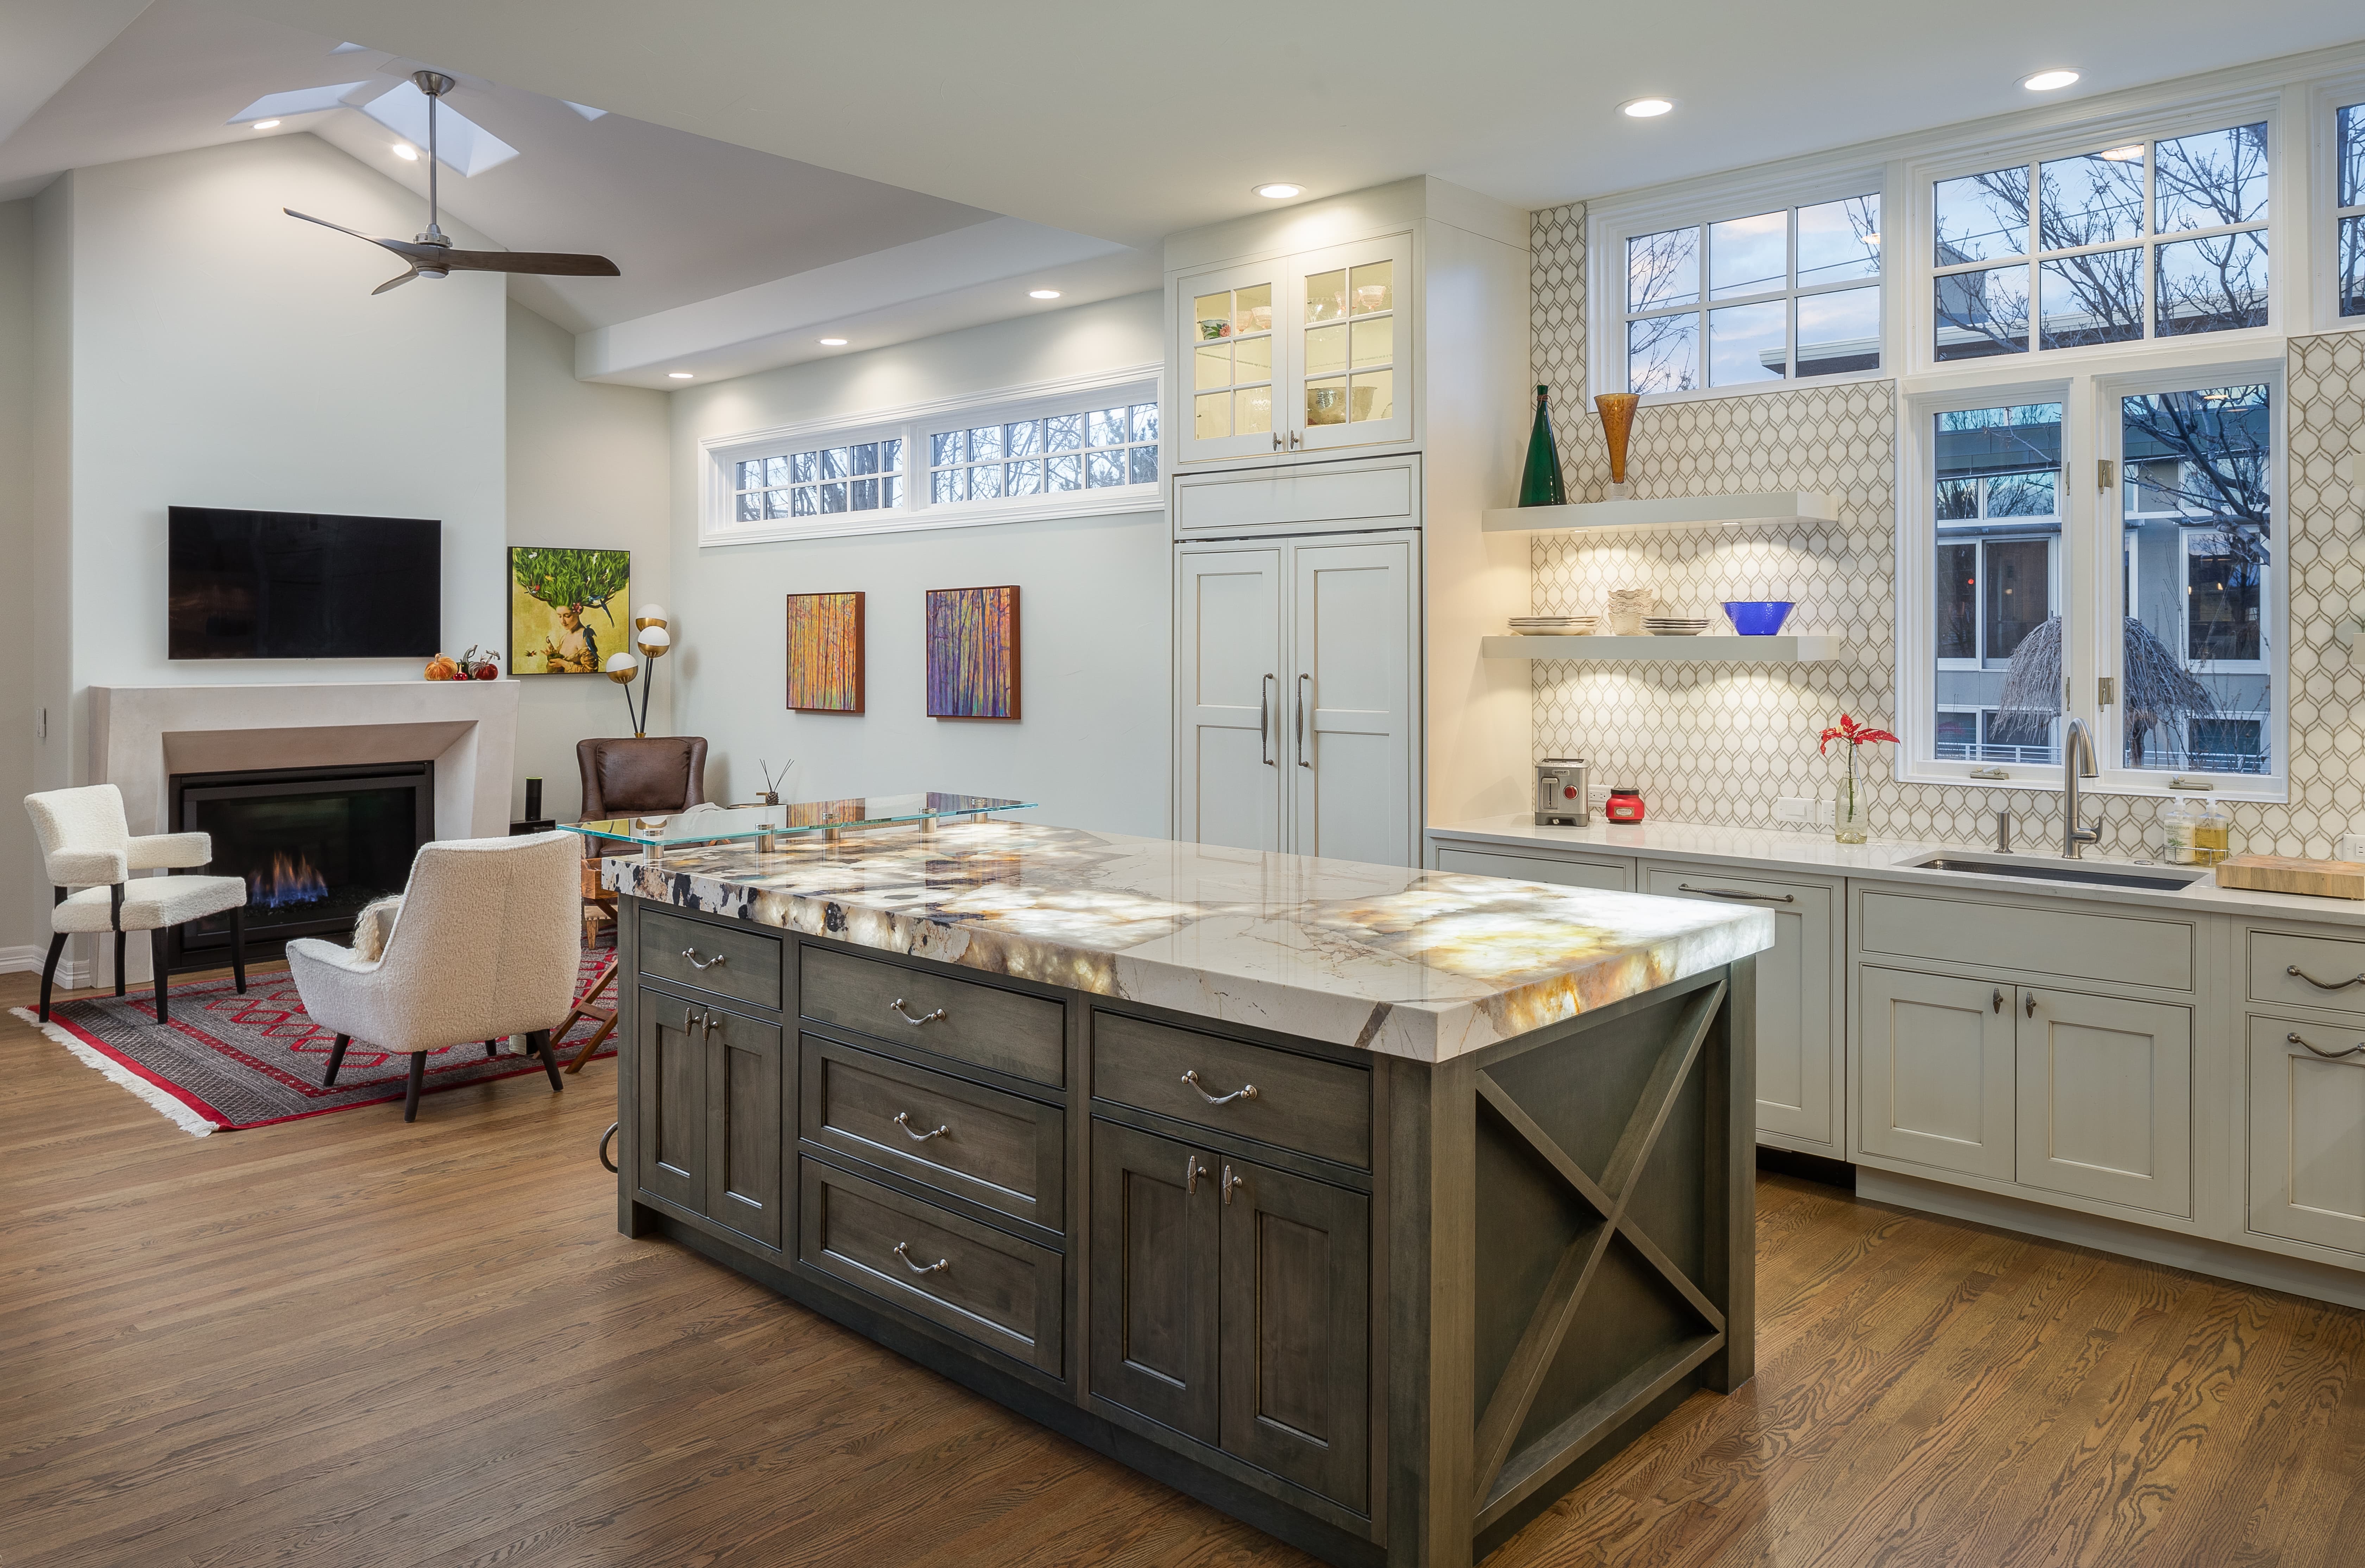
(1617, 424)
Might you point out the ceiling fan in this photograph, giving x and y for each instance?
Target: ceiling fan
(432, 256)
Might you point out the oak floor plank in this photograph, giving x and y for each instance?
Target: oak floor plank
(352, 1342)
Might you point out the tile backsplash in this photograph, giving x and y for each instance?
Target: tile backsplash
(1718, 743)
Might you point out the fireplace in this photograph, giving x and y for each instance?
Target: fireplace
(315, 844)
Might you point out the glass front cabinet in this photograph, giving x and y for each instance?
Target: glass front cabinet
(1309, 352)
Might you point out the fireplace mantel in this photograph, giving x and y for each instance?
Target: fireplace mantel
(141, 736)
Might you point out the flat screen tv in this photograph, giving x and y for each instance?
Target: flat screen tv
(286, 585)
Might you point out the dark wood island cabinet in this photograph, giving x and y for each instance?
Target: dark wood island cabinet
(1383, 1295)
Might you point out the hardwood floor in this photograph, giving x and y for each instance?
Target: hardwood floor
(350, 1341)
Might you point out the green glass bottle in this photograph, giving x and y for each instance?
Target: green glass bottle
(1541, 483)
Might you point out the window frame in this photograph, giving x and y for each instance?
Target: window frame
(913, 424)
(2324, 106)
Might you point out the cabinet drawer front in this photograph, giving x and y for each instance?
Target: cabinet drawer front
(1317, 1107)
(992, 1148)
(2121, 949)
(2307, 1132)
(2307, 971)
(1025, 1037)
(969, 1278)
(1613, 876)
(737, 962)
(1358, 496)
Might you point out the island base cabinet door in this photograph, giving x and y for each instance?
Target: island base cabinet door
(2106, 1099)
(669, 1088)
(1155, 1234)
(1937, 1068)
(2307, 1132)
(1296, 1326)
(744, 1123)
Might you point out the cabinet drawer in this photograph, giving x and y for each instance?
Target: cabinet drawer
(1358, 496)
(1301, 1102)
(2307, 971)
(736, 961)
(1023, 1036)
(986, 1286)
(2121, 949)
(1614, 876)
(992, 1148)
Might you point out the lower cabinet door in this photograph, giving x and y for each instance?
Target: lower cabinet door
(2307, 1132)
(1938, 1056)
(1156, 1229)
(669, 1090)
(2106, 1098)
(744, 1122)
(1295, 1341)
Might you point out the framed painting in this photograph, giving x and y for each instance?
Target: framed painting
(826, 653)
(973, 652)
(569, 609)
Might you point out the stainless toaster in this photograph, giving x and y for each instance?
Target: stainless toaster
(1562, 799)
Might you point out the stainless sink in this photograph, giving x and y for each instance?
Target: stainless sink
(2157, 878)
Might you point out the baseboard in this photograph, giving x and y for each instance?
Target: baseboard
(2272, 1270)
(71, 976)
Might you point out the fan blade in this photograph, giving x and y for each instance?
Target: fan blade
(395, 282)
(326, 224)
(549, 262)
(408, 250)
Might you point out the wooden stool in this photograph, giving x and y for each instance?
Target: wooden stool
(587, 1006)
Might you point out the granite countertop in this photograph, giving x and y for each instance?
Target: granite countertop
(1891, 861)
(1427, 964)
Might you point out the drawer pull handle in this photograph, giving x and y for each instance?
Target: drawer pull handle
(903, 1120)
(698, 963)
(916, 1019)
(901, 1251)
(1192, 1171)
(2297, 972)
(1231, 1183)
(1245, 1091)
(2329, 1056)
(1735, 894)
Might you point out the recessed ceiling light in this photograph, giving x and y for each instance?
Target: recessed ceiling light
(2049, 81)
(406, 152)
(1645, 109)
(1280, 190)
(682, 374)
(267, 125)
(833, 343)
(1042, 294)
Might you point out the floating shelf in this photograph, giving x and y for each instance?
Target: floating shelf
(1699, 650)
(1656, 516)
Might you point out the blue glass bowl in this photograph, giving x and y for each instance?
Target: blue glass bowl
(1759, 617)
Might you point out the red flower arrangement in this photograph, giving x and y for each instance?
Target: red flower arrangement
(1856, 735)
(1848, 822)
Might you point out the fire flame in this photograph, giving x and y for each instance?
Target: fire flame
(287, 882)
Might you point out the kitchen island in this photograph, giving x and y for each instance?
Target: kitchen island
(1374, 1206)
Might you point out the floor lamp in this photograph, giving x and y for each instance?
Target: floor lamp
(649, 633)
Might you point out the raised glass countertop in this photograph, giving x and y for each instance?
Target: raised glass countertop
(719, 824)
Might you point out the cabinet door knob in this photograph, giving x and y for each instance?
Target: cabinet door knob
(2028, 1007)
(902, 1251)
(1998, 1003)
(1245, 1091)
(1231, 1183)
(2299, 973)
(1192, 1171)
(903, 1120)
(918, 1020)
(2319, 1050)
(698, 963)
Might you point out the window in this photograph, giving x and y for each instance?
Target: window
(814, 482)
(2349, 193)
(1098, 449)
(2146, 239)
(1082, 448)
(1782, 295)
(1994, 499)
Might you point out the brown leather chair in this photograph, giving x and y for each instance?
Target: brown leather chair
(631, 776)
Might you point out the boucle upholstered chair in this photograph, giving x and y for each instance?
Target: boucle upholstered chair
(485, 944)
(86, 844)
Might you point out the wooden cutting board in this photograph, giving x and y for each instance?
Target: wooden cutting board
(2288, 874)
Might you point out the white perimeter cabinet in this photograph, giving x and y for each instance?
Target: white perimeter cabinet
(1297, 667)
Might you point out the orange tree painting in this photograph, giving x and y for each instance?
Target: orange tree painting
(973, 652)
(826, 653)
(569, 609)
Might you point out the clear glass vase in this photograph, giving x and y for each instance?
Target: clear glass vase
(1850, 811)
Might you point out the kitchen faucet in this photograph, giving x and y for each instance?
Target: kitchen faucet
(2077, 762)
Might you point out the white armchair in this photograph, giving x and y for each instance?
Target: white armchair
(89, 851)
(485, 943)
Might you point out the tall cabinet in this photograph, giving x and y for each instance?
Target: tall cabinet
(1346, 395)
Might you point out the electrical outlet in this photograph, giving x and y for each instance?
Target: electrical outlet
(1598, 796)
(2349, 846)
(1794, 808)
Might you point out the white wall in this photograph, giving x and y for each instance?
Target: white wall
(587, 469)
(225, 355)
(1092, 744)
(24, 900)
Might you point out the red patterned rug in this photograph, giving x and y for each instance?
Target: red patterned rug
(226, 1062)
